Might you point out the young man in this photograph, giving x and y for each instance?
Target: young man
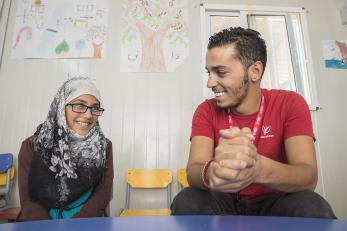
(252, 150)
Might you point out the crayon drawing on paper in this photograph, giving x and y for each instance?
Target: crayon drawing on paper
(60, 29)
(335, 54)
(154, 35)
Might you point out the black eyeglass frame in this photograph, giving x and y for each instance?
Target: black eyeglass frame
(73, 107)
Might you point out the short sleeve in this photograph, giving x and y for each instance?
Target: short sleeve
(298, 117)
(202, 124)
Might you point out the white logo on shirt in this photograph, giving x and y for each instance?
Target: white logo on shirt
(266, 130)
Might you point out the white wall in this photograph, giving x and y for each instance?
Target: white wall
(331, 85)
(148, 115)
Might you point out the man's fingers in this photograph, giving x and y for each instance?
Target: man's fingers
(233, 164)
(229, 133)
(246, 130)
(237, 164)
(235, 131)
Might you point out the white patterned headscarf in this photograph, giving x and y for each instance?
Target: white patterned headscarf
(65, 164)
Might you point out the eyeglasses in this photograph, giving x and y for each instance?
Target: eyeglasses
(82, 108)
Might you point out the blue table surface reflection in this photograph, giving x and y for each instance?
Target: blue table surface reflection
(181, 223)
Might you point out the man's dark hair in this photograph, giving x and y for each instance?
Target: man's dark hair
(250, 47)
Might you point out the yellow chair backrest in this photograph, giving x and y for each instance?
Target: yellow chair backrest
(182, 177)
(149, 178)
(4, 175)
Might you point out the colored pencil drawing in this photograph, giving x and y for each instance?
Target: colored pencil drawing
(154, 35)
(60, 29)
(335, 54)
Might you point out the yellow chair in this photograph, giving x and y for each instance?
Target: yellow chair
(3, 177)
(182, 178)
(6, 178)
(7, 171)
(147, 179)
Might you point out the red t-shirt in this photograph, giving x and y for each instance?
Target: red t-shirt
(286, 114)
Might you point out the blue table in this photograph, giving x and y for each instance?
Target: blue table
(181, 223)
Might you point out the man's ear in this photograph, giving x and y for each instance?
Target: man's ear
(255, 71)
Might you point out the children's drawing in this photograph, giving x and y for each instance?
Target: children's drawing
(96, 36)
(154, 35)
(62, 48)
(60, 29)
(24, 29)
(335, 53)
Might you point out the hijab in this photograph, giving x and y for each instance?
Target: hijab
(65, 164)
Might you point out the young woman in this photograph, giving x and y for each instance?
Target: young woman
(65, 169)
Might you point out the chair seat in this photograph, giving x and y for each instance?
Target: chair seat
(145, 212)
(9, 214)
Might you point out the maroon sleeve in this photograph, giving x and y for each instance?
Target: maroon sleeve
(96, 204)
(298, 117)
(202, 124)
(29, 209)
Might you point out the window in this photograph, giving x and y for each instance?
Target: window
(289, 64)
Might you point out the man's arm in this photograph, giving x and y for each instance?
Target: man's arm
(299, 174)
(201, 150)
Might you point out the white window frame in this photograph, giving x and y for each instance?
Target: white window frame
(206, 10)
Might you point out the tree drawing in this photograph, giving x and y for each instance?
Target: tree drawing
(96, 35)
(154, 24)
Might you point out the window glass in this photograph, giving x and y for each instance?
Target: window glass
(279, 71)
(219, 23)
